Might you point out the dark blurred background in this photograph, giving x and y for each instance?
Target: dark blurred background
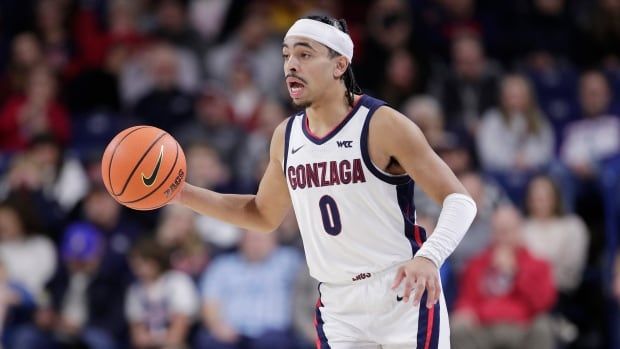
(519, 97)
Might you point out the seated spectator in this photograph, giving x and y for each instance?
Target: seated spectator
(213, 121)
(504, 294)
(597, 136)
(85, 308)
(18, 246)
(562, 240)
(587, 143)
(248, 296)
(470, 87)
(206, 170)
(120, 231)
(35, 111)
(515, 139)
(401, 79)
(516, 135)
(559, 238)
(19, 242)
(166, 104)
(162, 304)
(177, 233)
(26, 53)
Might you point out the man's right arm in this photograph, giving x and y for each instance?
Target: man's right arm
(261, 212)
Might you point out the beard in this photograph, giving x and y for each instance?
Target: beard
(302, 104)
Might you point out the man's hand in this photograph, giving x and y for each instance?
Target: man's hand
(419, 274)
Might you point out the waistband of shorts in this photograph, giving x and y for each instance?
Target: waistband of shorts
(361, 278)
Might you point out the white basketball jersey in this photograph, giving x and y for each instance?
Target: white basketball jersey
(354, 218)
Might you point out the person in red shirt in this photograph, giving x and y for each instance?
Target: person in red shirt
(35, 112)
(504, 293)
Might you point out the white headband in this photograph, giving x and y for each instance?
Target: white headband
(326, 34)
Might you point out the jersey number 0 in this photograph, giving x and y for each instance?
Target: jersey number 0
(330, 215)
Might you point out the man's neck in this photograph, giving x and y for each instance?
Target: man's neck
(326, 114)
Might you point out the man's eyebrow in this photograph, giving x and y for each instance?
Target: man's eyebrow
(302, 43)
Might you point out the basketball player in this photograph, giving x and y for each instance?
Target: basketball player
(348, 163)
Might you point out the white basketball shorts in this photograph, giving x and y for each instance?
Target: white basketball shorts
(368, 314)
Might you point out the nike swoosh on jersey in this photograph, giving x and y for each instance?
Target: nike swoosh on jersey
(295, 150)
(399, 298)
(148, 181)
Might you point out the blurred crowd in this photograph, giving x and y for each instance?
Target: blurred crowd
(519, 97)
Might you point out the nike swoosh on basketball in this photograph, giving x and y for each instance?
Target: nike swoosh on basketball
(295, 150)
(399, 298)
(148, 181)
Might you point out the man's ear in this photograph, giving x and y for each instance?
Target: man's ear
(341, 67)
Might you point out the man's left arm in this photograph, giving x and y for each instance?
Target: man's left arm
(393, 136)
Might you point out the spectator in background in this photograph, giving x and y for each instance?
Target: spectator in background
(248, 296)
(551, 234)
(177, 233)
(516, 135)
(213, 122)
(166, 105)
(206, 170)
(249, 167)
(589, 141)
(49, 178)
(52, 24)
(63, 177)
(245, 94)
(19, 242)
(562, 240)
(173, 26)
(391, 38)
(26, 53)
(85, 308)
(470, 86)
(36, 111)
(120, 231)
(515, 139)
(252, 41)
(425, 111)
(162, 304)
(504, 293)
(401, 78)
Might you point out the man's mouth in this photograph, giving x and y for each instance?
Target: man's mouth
(295, 87)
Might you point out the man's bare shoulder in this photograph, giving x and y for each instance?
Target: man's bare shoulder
(388, 123)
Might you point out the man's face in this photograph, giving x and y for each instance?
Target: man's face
(308, 69)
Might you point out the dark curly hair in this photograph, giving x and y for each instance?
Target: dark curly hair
(347, 77)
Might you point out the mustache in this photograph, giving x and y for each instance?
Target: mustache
(294, 76)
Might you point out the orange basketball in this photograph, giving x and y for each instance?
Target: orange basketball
(143, 167)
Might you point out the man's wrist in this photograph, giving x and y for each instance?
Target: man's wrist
(424, 254)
